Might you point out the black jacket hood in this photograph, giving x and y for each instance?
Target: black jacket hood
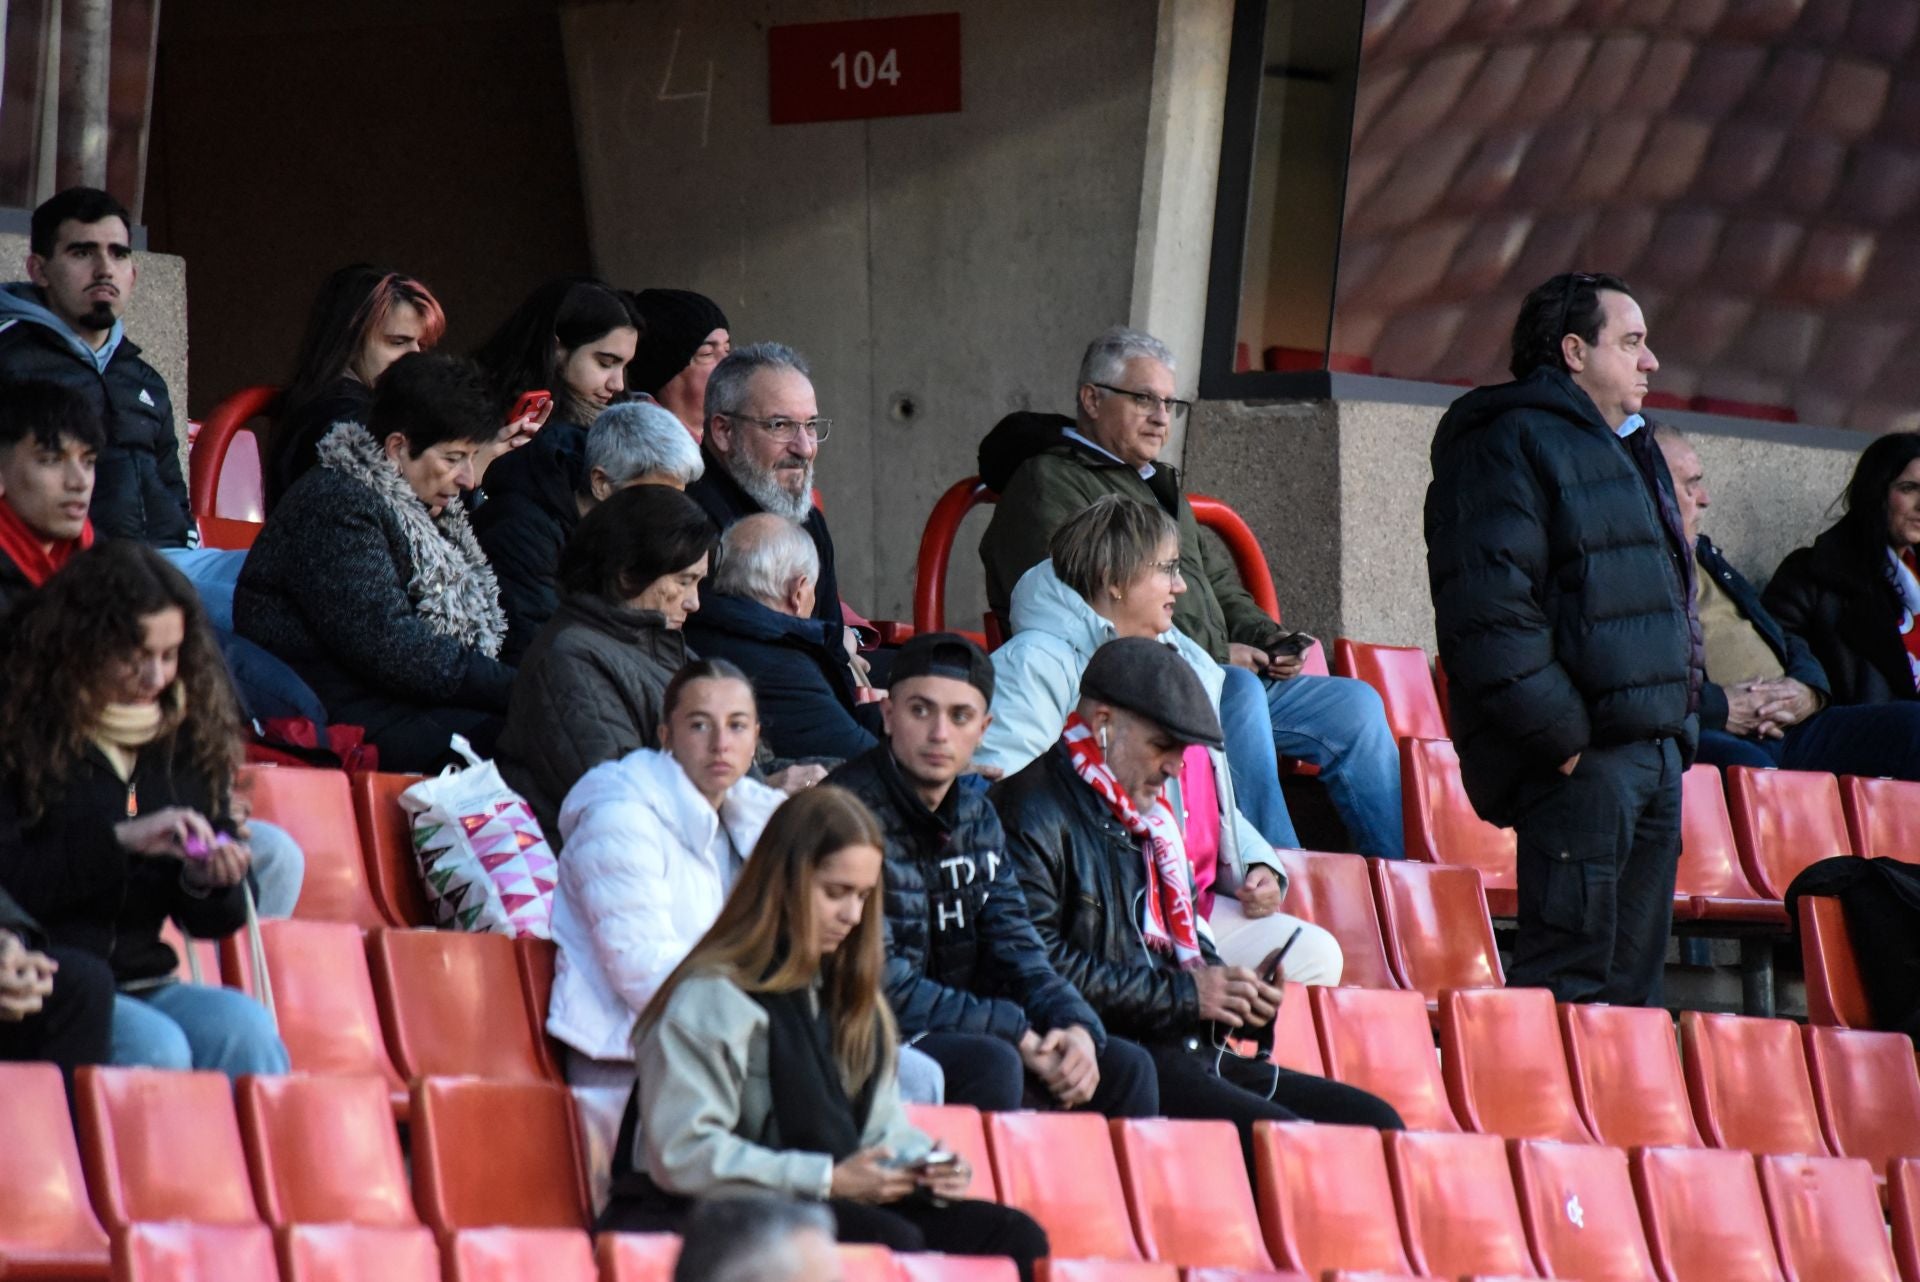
(1550, 390)
(1015, 439)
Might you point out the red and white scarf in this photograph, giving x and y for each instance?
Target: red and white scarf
(1168, 923)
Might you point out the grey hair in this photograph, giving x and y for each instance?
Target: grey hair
(761, 554)
(1109, 543)
(746, 1239)
(631, 440)
(1108, 355)
(727, 385)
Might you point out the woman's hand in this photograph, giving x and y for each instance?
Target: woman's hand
(867, 1177)
(515, 434)
(226, 863)
(165, 832)
(797, 778)
(947, 1179)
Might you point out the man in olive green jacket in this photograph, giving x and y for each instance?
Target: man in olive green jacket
(1048, 469)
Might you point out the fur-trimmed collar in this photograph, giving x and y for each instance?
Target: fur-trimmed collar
(452, 587)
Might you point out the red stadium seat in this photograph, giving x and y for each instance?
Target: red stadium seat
(1835, 993)
(1167, 1168)
(316, 807)
(1581, 1217)
(1504, 1067)
(185, 1252)
(386, 838)
(1248, 559)
(1457, 1204)
(1438, 933)
(1057, 1269)
(1401, 676)
(160, 1144)
(1709, 883)
(357, 1253)
(1784, 821)
(1060, 1169)
(1296, 1042)
(1749, 1083)
(323, 1151)
(47, 1227)
(1440, 692)
(1903, 1205)
(1242, 1275)
(1883, 817)
(1868, 1092)
(1325, 1200)
(536, 959)
(1626, 1073)
(468, 1134)
(229, 509)
(958, 1129)
(1382, 1041)
(512, 1255)
(1335, 893)
(1442, 826)
(199, 959)
(637, 1257)
(1704, 1216)
(916, 1266)
(860, 1262)
(1826, 1219)
(453, 1005)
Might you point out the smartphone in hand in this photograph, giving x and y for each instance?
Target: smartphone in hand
(530, 405)
(1292, 645)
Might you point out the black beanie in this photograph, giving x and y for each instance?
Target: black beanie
(677, 322)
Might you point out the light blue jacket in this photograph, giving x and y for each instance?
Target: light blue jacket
(1036, 683)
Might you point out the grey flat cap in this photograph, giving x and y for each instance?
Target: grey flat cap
(1151, 680)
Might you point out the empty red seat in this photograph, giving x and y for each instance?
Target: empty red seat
(1325, 1199)
(863, 1262)
(511, 1255)
(1060, 1169)
(1578, 1205)
(452, 1004)
(1457, 1204)
(1167, 1168)
(185, 1252)
(468, 1135)
(1704, 1216)
(1903, 1208)
(925, 1266)
(1382, 1041)
(323, 1151)
(1749, 1083)
(386, 839)
(1627, 1078)
(637, 1257)
(1296, 1042)
(1404, 681)
(1868, 1092)
(159, 1144)
(536, 959)
(1505, 1070)
(1242, 1275)
(1784, 821)
(1438, 933)
(1835, 993)
(1335, 893)
(1709, 883)
(357, 1253)
(317, 809)
(1442, 826)
(1058, 1269)
(1826, 1219)
(1883, 817)
(47, 1227)
(958, 1129)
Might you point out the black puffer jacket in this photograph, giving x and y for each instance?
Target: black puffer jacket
(531, 510)
(1561, 588)
(961, 955)
(1085, 877)
(722, 499)
(1794, 655)
(1846, 608)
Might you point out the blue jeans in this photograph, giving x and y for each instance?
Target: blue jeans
(1252, 759)
(195, 1026)
(1339, 725)
(214, 572)
(1871, 739)
(279, 867)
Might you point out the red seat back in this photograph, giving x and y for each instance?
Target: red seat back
(210, 491)
(323, 1151)
(1401, 676)
(316, 807)
(1703, 1214)
(1826, 1219)
(1248, 560)
(1324, 1197)
(1438, 932)
(1505, 1071)
(1903, 1208)
(958, 1129)
(1709, 856)
(1335, 893)
(925, 1266)
(1835, 993)
(637, 1257)
(514, 1254)
(1457, 1204)
(185, 1252)
(1626, 1073)
(357, 1253)
(47, 1227)
(1060, 1169)
(1441, 824)
(1381, 1040)
(160, 1144)
(864, 1262)
(453, 1004)
(1784, 821)
(1167, 1168)
(1883, 817)
(386, 838)
(936, 551)
(1296, 1042)
(1058, 1269)
(537, 959)
(1581, 1217)
(1868, 1093)
(323, 996)
(467, 1134)
(1749, 1083)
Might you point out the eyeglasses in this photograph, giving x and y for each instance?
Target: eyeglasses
(1147, 402)
(1576, 282)
(1169, 568)
(785, 429)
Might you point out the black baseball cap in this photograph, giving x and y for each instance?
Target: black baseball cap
(943, 654)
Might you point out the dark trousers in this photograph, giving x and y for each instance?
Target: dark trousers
(1197, 1083)
(74, 1025)
(1597, 855)
(414, 738)
(988, 1073)
(1869, 739)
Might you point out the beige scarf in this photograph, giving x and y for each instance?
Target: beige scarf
(122, 730)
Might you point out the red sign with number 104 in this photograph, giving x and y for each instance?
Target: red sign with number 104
(859, 70)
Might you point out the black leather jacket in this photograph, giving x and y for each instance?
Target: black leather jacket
(1085, 876)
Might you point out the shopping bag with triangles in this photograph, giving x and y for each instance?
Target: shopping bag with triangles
(484, 862)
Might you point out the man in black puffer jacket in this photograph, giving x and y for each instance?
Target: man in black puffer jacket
(1562, 581)
(968, 978)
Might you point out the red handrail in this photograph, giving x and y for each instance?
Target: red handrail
(209, 452)
(1248, 559)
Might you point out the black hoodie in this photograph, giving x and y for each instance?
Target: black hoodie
(531, 509)
(1561, 589)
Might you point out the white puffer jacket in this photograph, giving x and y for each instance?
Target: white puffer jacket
(644, 871)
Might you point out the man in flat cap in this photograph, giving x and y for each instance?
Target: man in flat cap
(1108, 886)
(970, 982)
